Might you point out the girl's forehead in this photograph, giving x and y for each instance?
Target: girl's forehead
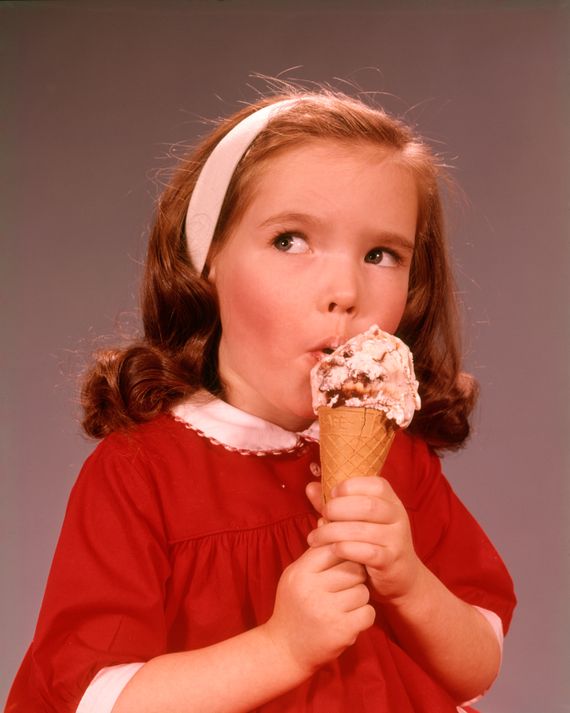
(320, 156)
(326, 182)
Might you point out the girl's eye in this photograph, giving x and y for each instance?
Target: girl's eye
(290, 243)
(379, 256)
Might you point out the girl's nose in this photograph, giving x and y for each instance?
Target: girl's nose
(340, 287)
(344, 304)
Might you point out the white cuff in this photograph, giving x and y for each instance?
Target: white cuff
(103, 691)
(496, 624)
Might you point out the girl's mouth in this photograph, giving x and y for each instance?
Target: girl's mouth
(326, 347)
(318, 354)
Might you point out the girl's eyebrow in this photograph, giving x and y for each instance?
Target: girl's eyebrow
(394, 240)
(289, 216)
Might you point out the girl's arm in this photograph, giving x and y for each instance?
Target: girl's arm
(450, 639)
(238, 674)
(446, 636)
(321, 606)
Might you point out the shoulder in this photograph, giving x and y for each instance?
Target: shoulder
(149, 473)
(142, 458)
(147, 446)
(142, 439)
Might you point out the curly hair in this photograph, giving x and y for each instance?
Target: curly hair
(177, 354)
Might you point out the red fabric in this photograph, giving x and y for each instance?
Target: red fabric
(171, 542)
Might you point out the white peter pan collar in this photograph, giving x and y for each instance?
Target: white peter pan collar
(237, 430)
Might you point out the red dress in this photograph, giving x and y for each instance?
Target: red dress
(172, 542)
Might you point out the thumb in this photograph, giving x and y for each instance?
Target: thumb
(315, 494)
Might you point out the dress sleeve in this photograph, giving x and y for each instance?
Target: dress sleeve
(104, 599)
(448, 538)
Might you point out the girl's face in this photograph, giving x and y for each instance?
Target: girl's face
(322, 252)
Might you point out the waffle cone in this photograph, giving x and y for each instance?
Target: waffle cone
(353, 442)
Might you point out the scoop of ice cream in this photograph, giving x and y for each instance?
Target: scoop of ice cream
(372, 370)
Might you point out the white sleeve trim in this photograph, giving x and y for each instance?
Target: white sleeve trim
(103, 691)
(497, 626)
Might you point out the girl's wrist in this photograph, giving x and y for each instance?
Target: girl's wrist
(413, 598)
(291, 665)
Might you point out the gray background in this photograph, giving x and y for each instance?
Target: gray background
(96, 94)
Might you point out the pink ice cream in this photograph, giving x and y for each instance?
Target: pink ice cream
(372, 370)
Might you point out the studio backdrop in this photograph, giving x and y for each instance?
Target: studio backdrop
(99, 99)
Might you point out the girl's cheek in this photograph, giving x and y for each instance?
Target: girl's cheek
(386, 303)
(247, 300)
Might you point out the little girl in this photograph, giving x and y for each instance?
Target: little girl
(194, 571)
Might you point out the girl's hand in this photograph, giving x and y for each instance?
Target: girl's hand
(366, 522)
(320, 608)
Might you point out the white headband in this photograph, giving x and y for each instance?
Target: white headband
(215, 176)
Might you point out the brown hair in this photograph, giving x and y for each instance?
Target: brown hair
(177, 354)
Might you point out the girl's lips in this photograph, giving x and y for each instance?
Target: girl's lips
(328, 345)
(325, 347)
(316, 356)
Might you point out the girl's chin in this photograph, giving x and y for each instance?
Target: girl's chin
(305, 420)
(299, 420)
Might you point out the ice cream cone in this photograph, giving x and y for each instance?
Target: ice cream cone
(353, 442)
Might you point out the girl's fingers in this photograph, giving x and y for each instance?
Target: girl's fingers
(354, 598)
(315, 494)
(364, 508)
(319, 559)
(373, 486)
(366, 498)
(365, 554)
(340, 574)
(357, 531)
(345, 575)
(362, 618)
